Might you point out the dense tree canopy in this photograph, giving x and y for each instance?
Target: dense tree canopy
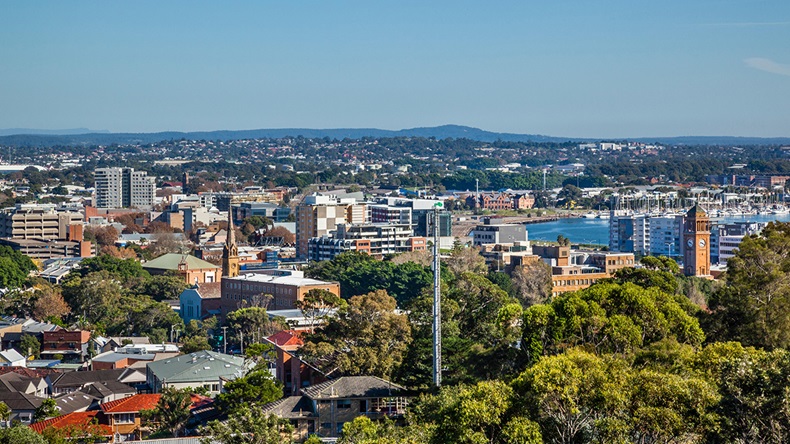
(366, 337)
(359, 273)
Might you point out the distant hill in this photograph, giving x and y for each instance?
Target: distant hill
(72, 131)
(76, 137)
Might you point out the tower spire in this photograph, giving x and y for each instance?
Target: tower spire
(230, 253)
(231, 239)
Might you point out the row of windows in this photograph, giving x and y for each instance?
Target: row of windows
(565, 283)
(620, 262)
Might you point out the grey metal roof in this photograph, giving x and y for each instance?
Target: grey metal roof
(198, 366)
(354, 387)
(20, 401)
(291, 407)
(70, 379)
(74, 401)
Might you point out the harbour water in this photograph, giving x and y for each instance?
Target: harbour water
(596, 231)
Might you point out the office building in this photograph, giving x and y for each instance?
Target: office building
(124, 188)
(498, 233)
(37, 221)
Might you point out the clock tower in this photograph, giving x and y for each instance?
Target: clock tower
(696, 242)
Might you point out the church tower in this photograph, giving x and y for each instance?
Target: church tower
(696, 243)
(230, 253)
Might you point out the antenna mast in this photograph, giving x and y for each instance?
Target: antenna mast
(437, 306)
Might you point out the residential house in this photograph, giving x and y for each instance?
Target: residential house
(102, 344)
(22, 405)
(31, 382)
(123, 415)
(76, 402)
(11, 358)
(77, 422)
(73, 381)
(324, 408)
(71, 345)
(205, 369)
(289, 368)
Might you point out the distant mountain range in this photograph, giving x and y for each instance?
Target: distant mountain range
(83, 136)
(72, 131)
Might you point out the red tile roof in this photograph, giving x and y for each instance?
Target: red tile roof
(286, 337)
(75, 420)
(132, 404)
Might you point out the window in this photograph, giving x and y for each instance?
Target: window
(343, 404)
(124, 418)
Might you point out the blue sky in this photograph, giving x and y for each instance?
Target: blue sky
(605, 68)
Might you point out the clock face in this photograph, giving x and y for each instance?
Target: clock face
(702, 243)
(690, 243)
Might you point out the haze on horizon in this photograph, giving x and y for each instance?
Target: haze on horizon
(613, 68)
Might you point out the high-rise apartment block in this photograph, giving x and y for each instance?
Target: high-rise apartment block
(124, 188)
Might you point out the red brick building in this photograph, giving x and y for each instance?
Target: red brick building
(72, 345)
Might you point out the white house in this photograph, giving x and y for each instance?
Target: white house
(11, 358)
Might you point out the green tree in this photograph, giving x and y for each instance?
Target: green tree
(162, 287)
(14, 267)
(258, 387)
(471, 414)
(252, 322)
(367, 337)
(569, 393)
(248, 425)
(172, 411)
(29, 346)
(359, 431)
(5, 413)
(753, 388)
(47, 409)
(359, 273)
(608, 318)
(317, 304)
(122, 269)
(193, 344)
(20, 434)
(754, 306)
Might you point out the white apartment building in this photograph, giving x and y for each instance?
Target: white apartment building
(124, 188)
(727, 247)
(665, 236)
